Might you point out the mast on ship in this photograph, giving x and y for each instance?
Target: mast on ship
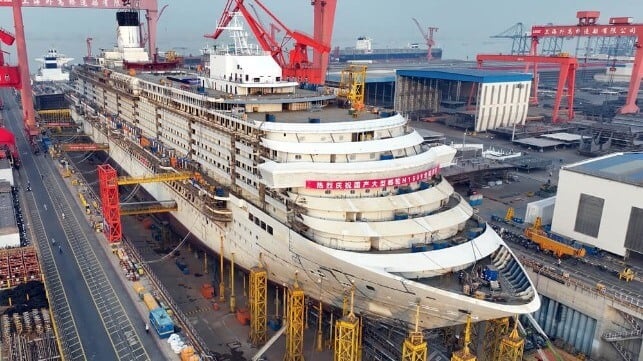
(238, 35)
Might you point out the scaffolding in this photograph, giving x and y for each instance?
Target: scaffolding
(258, 304)
(495, 331)
(465, 354)
(348, 336)
(511, 346)
(295, 324)
(83, 147)
(130, 209)
(414, 347)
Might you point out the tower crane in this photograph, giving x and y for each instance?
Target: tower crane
(428, 37)
(298, 66)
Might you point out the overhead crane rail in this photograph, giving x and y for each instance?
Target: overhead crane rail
(160, 177)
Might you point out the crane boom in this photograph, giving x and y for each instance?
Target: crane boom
(424, 34)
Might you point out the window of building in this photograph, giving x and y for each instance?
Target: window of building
(589, 214)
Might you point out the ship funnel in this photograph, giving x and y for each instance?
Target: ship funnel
(128, 30)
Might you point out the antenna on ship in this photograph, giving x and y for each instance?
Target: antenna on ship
(238, 34)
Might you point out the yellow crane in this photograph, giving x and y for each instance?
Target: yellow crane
(351, 87)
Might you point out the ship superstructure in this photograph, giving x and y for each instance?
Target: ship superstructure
(286, 178)
(52, 68)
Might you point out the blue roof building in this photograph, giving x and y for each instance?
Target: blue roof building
(476, 99)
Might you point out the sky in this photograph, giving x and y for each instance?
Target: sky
(465, 26)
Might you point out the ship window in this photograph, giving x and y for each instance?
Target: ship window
(369, 287)
(269, 229)
(367, 191)
(297, 156)
(352, 191)
(327, 191)
(251, 217)
(263, 225)
(257, 221)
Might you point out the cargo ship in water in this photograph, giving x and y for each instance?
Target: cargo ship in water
(363, 52)
(285, 179)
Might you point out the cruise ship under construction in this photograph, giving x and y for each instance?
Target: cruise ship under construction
(284, 178)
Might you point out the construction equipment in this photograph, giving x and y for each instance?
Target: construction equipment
(23, 80)
(587, 26)
(351, 87)
(465, 354)
(566, 77)
(348, 335)
(295, 323)
(428, 37)
(627, 274)
(559, 249)
(518, 35)
(298, 67)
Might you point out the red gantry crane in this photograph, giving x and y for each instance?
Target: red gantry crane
(566, 77)
(588, 27)
(428, 37)
(24, 83)
(298, 66)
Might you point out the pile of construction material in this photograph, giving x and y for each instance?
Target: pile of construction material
(133, 271)
(27, 334)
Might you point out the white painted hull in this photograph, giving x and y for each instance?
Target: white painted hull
(286, 255)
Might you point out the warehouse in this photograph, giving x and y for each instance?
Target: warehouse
(600, 202)
(480, 99)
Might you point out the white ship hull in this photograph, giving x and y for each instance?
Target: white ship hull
(286, 254)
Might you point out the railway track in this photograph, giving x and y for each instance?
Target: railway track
(64, 323)
(126, 343)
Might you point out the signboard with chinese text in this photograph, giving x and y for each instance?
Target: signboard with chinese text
(373, 183)
(594, 30)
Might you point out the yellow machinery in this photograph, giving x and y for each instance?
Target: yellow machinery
(348, 336)
(351, 87)
(129, 209)
(627, 274)
(512, 346)
(295, 320)
(495, 331)
(538, 236)
(161, 177)
(258, 297)
(510, 214)
(465, 354)
(414, 347)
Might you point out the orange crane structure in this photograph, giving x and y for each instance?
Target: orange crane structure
(566, 77)
(428, 37)
(588, 26)
(24, 82)
(298, 66)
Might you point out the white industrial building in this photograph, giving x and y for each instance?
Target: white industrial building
(9, 234)
(600, 203)
(476, 99)
(543, 208)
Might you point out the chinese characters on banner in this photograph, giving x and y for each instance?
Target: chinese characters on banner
(597, 30)
(373, 183)
(101, 4)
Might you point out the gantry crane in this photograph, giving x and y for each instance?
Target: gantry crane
(428, 37)
(566, 76)
(298, 66)
(588, 26)
(519, 38)
(150, 6)
(109, 181)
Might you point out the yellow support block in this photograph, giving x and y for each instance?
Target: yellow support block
(258, 305)
(295, 320)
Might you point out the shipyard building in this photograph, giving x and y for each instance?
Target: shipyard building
(483, 99)
(600, 202)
